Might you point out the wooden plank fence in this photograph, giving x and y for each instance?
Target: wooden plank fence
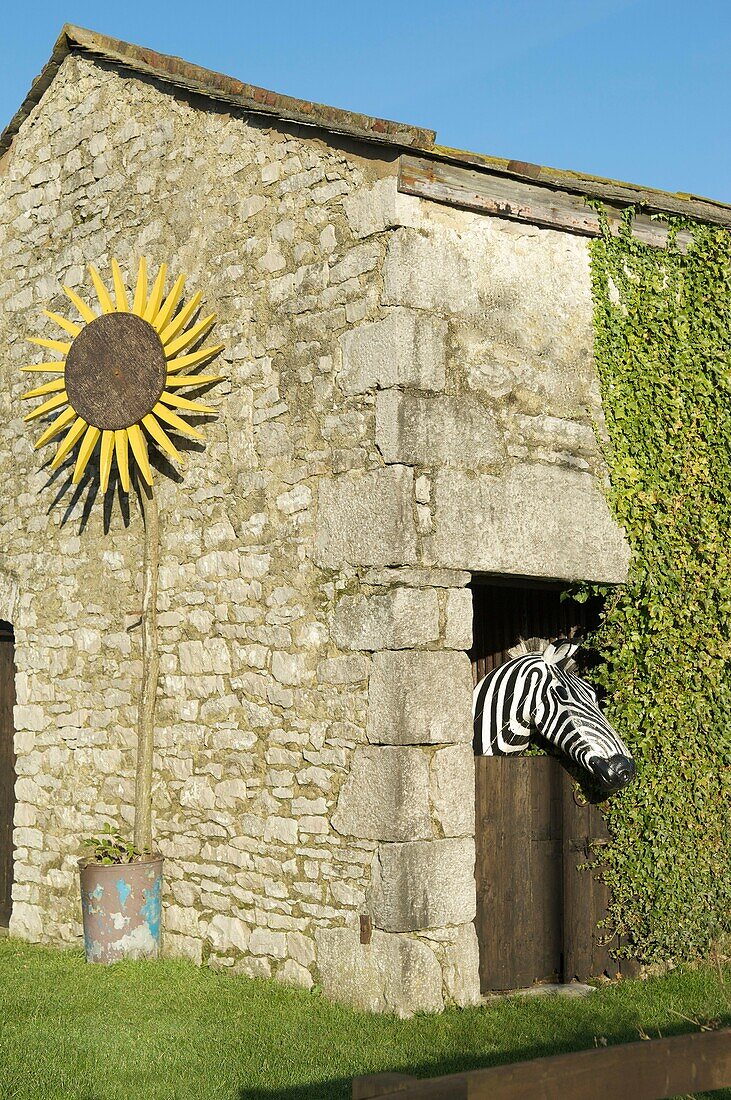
(648, 1070)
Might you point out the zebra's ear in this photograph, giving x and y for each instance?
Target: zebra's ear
(560, 652)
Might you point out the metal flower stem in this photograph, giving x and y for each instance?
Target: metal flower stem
(150, 670)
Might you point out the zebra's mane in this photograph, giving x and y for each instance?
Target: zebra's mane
(526, 646)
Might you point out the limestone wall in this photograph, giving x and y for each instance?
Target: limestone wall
(411, 399)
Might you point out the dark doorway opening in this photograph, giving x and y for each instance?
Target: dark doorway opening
(7, 768)
(538, 906)
(505, 612)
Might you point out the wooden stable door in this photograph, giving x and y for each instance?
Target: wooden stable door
(7, 769)
(518, 871)
(538, 904)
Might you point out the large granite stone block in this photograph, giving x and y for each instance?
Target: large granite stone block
(366, 518)
(389, 974)
(406, 348)
(537, 521)
(398, 619)
(386, 795)
(420, 698)
(424, 884)
(436, 431)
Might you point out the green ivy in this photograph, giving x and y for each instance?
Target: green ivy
(662, 322)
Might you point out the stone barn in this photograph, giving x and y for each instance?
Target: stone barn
(410, 421)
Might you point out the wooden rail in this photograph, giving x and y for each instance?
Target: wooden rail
(699, 1062)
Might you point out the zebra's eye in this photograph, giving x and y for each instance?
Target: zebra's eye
(561, 693)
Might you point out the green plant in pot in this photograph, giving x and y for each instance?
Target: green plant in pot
(120, 373)
(121, 898)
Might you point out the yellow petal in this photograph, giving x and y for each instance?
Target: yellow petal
(189, 337)
(175, 380)
(166, 310)
(121, 449)
(183, 403)
(153, 306)
(85, 452)
(50, 387)
(160, 436)
(54, 345)
(48, 406)
(57, 426)
(120, 293)
(86, 311)
(101, 291)
(194, 358)
(62, 322)
(74, 433)
(174, 421)
(58, 366)
(138, 306)
(105, 461)
(181, 319)
(139, 450)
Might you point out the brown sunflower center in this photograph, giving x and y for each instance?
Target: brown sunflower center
(115, 371)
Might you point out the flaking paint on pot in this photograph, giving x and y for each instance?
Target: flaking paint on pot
(121, 908)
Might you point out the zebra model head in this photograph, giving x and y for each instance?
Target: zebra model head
(540, 692)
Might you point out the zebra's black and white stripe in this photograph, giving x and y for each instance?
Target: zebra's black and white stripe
(535, 693)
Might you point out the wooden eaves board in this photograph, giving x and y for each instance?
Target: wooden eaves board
(518, 200)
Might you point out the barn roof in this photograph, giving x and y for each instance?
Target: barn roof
(402, 137)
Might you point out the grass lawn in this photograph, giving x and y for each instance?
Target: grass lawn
(169, 1031)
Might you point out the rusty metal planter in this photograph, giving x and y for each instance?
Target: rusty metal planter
(121, 906)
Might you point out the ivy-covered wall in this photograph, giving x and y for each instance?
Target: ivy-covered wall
(663, 350)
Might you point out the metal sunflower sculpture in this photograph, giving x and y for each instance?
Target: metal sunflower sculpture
(117, 377)
(118, 374)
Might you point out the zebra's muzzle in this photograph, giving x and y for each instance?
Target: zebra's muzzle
(615, 773)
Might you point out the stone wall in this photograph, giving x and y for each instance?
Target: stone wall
(410, 400)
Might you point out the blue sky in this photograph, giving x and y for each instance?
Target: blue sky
(631, 89)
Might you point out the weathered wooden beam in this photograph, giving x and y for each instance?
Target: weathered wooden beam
(650, 1070)
(518, 200)
(696, 207)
